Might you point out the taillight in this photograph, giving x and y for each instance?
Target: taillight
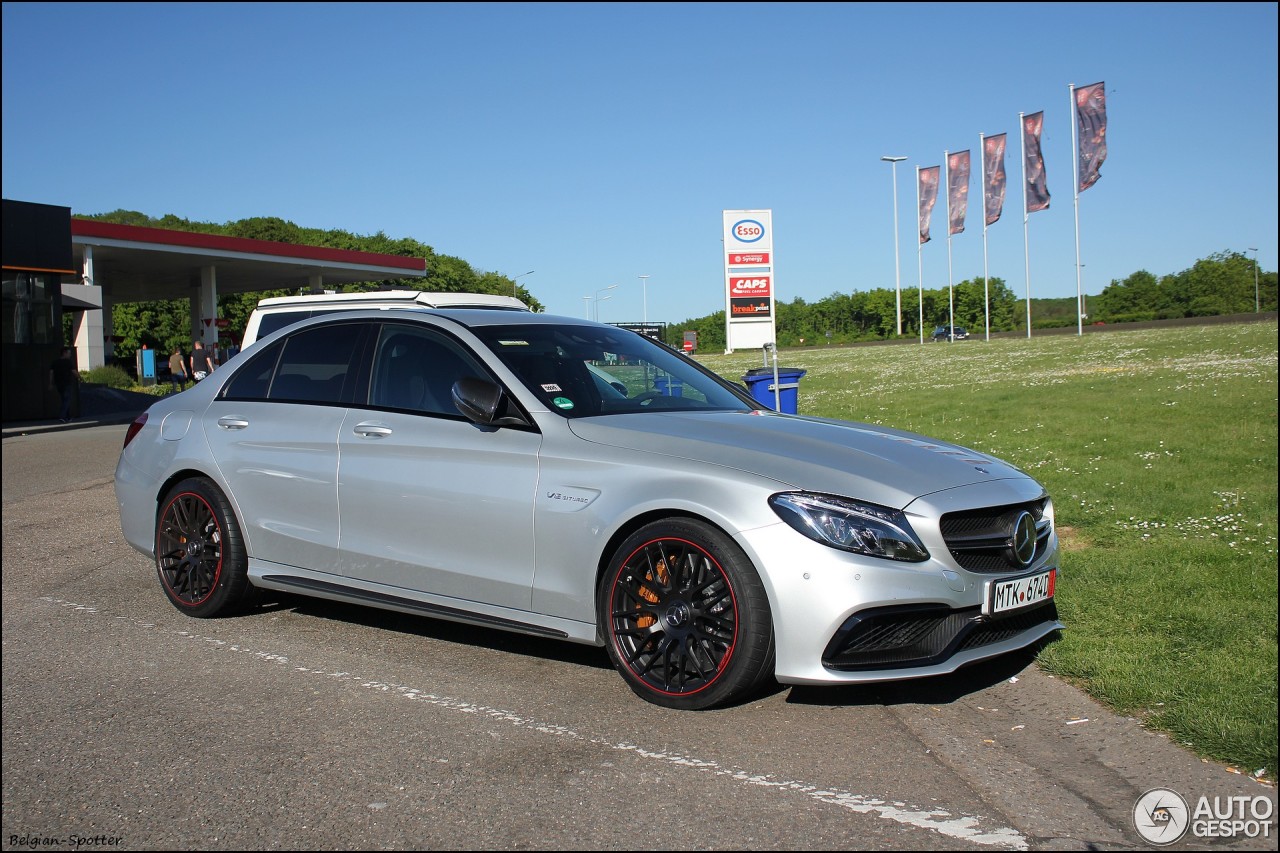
(134, 428)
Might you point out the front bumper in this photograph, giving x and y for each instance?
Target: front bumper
(843, 619)
(916, 636)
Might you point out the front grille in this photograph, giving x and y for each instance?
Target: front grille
(892, 637)
(980, 540)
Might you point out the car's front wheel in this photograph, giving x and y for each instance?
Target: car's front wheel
(200, 555)
(685, 616)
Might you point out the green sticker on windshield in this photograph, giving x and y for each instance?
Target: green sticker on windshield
(563, 402)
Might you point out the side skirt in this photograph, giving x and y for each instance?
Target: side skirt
(355, 595)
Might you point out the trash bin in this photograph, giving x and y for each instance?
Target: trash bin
(669, 386)
(760, 383)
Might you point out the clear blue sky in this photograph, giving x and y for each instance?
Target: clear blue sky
(594, 143)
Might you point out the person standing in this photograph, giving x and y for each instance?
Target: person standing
(178, 369)
(202, 361)
(62, 378)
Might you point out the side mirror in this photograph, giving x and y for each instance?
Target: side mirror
(483, 402)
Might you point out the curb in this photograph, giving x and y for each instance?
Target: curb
(34, 427)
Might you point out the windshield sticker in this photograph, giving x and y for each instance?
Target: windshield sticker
(551, 388)
(563, 402)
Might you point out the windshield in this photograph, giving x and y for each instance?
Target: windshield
(580, 371)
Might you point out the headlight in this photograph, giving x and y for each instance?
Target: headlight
(850, 525)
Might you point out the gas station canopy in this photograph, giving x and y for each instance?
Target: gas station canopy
(138, 264)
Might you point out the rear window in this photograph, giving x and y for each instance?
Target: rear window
(277, 320)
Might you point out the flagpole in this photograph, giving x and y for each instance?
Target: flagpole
(1026, 243)
(1075, 186)
(986, 275)
(945, 186)
(897, 272)
(919, 259)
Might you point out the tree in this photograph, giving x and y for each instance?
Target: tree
(1135, 298)
(266, 228)
(161, 325)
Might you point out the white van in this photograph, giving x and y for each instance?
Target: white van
(279, 311)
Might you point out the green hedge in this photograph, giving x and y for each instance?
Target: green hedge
(110, 375)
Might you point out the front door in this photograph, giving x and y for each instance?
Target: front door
(430, 501)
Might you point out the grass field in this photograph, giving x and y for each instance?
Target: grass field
(1159, 449)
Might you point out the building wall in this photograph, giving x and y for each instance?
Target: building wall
(37, 253)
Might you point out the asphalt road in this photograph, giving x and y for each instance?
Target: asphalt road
(312, 725)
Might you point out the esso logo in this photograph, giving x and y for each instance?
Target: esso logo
(747, 231)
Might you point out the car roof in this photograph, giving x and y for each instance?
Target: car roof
(390, 297)
(469, 317)
(489, 317)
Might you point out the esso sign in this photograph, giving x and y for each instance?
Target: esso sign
(747, 231)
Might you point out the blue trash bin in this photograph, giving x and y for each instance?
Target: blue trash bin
(669, 387)
(760, 383)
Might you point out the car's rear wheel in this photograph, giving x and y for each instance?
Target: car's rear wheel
(200, 555)
(685, 616)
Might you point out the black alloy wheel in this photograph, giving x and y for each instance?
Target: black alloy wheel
(200, 556)
(685, 616)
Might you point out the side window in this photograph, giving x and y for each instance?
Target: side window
(414, 370)
(252, 381)
(315, 363)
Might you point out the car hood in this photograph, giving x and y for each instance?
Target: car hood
(873, 463)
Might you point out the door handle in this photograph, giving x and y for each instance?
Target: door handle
(232, 422)
(371, 430)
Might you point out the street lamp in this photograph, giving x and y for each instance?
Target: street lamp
(897, 275)
(598, 299)
(522, 275)
(644, 291)
(1255, 279)
(587, 313)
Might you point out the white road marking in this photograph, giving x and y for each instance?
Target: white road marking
(963, 827)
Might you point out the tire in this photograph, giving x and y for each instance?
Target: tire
(200, 556)
(685, 616)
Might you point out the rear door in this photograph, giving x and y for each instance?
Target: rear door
(274, 431)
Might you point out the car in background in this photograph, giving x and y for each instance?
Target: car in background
(578, 481)
(279, 311)
(942, 333)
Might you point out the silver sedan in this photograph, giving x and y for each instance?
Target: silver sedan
(575, 480)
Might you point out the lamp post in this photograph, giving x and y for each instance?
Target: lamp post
(897, 274)
(644, 291)
(587, 313)
(598, 299)
(1255, 279)
(522, 275)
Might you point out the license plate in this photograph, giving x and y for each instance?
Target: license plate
(1021, 592)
